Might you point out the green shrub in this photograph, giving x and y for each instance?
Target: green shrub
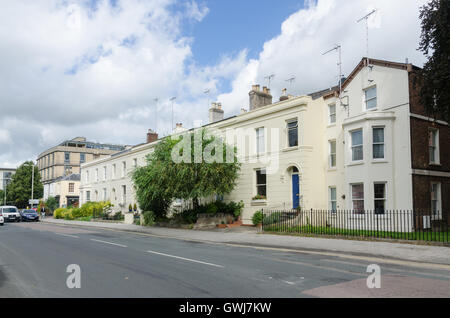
(76, 213)
(273, 218)
(149, 218)
(257, 218)
(67, 214)
(58, 214)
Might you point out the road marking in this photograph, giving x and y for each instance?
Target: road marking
(120, 245)
(72, 236)
(389, 268)
(372, 259)
(185, 259)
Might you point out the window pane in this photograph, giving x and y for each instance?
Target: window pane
(358, 191)
(371, 93)
(261, 177)
(333, 160)
(379, 206)
(333, 194)
(380, 191)
(378, 135)
(357, 138)
(333, 146)
(358, 153)
(371, 103)
(358, 206)
(262, 190)
(293, 134)
(378, 151)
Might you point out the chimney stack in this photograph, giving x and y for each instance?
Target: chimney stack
(284, 95)
(259, 98)
(151, 136)
(216, 113)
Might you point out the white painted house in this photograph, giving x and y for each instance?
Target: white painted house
(330, 151)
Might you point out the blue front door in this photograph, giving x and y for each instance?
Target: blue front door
(295, 191)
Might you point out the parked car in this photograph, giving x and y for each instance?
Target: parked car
(10, 214)
(2, 220)
(29, 215)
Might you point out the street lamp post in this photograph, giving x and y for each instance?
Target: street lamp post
(6, 184)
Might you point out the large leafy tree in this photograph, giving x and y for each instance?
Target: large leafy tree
(18, 191)
(194, 166)
(435, 75)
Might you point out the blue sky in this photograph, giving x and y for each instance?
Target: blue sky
(234, 25)
(94, 67)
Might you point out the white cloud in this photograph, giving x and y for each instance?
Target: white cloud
(66, 70)
(196, 12)
(306, 34)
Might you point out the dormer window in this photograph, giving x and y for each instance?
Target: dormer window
(371, 98)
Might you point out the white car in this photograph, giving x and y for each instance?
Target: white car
(10, 214)
(2, 220)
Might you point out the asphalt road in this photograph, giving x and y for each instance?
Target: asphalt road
(34, 258)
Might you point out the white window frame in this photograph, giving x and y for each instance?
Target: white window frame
(331, 154)
(104, 194)
(352, 147)
(290, 121)
(260, 144)
(88, 196)
(124, 169)
(370, 99)
(432, 132)
(331, 114)
(114, 171)
(330, 199)
(96, 175)
(380, 199)
(438, 200)
(135, 162)
(262, 184)
(353, 199)
(124, 194)
(87, 176)
(104, 173)
(378, 143)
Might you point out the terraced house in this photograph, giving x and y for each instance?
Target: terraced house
(368, 148)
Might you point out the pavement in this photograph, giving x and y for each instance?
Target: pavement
(36, 260)
(249, 236)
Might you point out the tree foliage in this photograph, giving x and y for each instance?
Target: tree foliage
(165, 179)
(18, 192)
(435, 75)
(52, 203)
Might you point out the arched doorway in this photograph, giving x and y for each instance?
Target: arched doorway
(295, 178)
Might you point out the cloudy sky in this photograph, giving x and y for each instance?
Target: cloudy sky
(94, 68)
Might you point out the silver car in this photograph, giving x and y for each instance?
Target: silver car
(10, 214)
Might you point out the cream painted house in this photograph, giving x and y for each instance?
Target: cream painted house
(328, 151)
(65, 190)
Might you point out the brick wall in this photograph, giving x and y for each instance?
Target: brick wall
(420, 156)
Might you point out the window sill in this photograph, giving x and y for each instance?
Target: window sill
(331, 125)
(375, 161)
(290, 149)
(332, 169)
(259, 203)
(355, 163)
(435, 164)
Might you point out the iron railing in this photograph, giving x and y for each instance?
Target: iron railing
(390, 224)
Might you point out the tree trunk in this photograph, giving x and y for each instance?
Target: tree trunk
(195, 203)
